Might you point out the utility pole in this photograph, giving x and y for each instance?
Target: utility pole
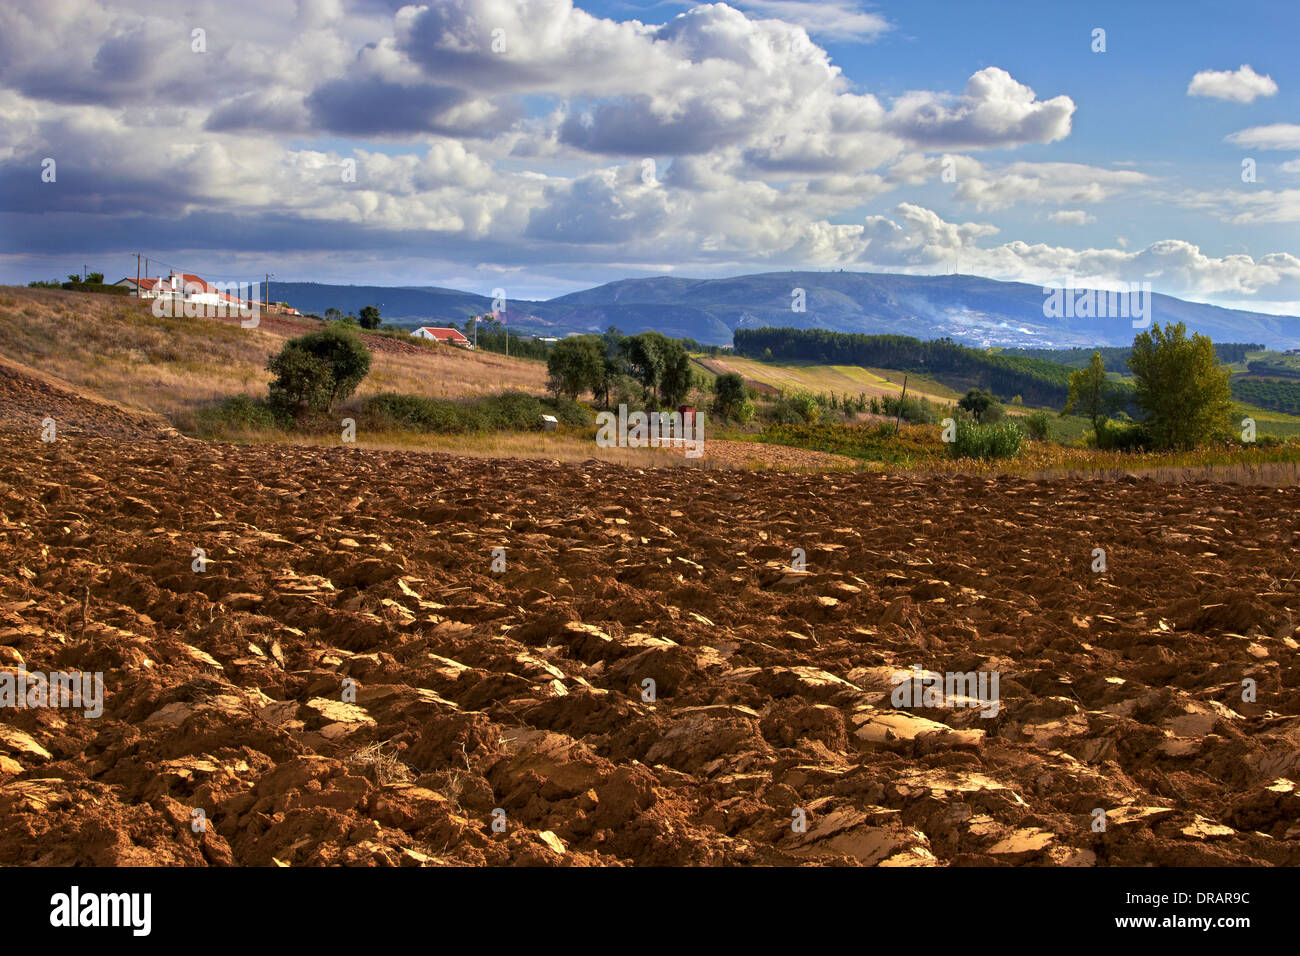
(476, 331)
(267, 292)
(137, 275)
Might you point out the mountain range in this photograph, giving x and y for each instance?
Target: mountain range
(968, 309)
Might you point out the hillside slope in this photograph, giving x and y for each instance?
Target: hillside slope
(116, 348)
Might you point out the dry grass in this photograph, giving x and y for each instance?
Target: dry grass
(386, 767)
(571, 446)
(115, 347)
(1278, 474)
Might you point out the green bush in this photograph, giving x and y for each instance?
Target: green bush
(915, 411)
(1120, 436)
(509, 411)
(732, 398)
(797, 409)
(1001, 440)
(315, 370)
(1038, 425)
(238, 414)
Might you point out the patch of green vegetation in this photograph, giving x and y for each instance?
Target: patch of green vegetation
(995, 441)
(236, 417)
(881, 442)
(1274, 394)
(1068, 429)
(509, 411)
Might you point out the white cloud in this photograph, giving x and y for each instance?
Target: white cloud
(1248, 207)
(913, 239)
(832, 19)
(996, 187)
(1071, 217)
(1242, 85)
(1058, 183)
(994, 110)
(1273, 136)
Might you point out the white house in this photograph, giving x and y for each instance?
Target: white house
(449, 336)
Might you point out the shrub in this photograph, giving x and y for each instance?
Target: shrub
(509, 411)
(238, 414)
(1038, 424)
(1120, 436)
(1001, 440)
(995, 413)
(731, 398)
(914, 411)
(797, 409)
(315, 370)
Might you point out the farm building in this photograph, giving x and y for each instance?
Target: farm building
(449, 336)
(189, 288)
(178, 285)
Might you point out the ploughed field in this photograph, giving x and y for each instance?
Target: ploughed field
(349, 681)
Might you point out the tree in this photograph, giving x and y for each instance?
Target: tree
(977, 402)
(644, 355)
(333, 315)
(315, 370)
(95, 278)
(576, 365)
(1182, 389)
(676, 381)
(1089, 394)
(732, 398)
(369, 317)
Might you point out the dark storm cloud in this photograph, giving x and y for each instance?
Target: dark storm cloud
(372, 106)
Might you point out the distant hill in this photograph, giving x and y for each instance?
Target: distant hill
(969, 309)
(397, 303)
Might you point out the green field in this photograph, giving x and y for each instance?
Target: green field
(826, 379)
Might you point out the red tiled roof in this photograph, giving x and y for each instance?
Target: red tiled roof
(444, 335)
(145, 283)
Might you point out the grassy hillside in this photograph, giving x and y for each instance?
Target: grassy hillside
(117, 348)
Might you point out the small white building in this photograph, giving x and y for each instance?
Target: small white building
(448, 336)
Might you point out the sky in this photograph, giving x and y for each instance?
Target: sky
(546, 146)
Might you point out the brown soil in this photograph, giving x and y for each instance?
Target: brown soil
(474, 691)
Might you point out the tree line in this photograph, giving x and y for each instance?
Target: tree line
(648, 367)
(1037, 381)
(1115, 358)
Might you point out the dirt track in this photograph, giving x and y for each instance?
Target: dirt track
(522, 690)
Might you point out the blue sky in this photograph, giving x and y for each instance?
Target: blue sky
(545, 146)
